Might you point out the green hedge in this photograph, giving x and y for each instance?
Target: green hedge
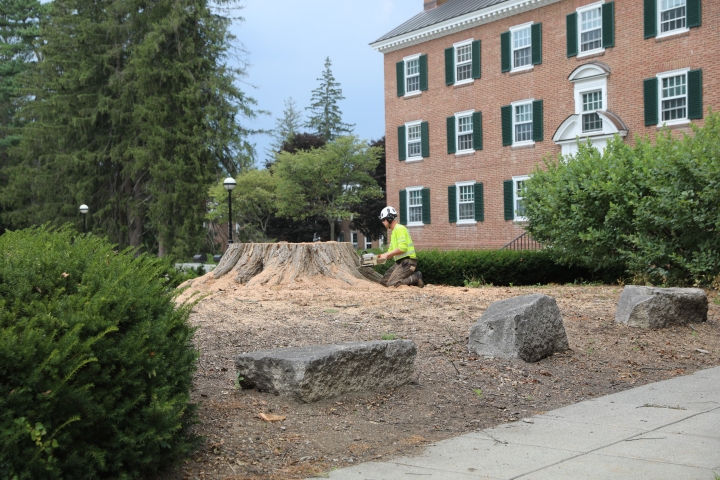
(96, 363)
(499, 267)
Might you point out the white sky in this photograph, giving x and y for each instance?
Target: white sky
(287, 42)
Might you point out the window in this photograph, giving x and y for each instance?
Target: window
(521, 47)
(414, 140)
(463, 62)
(592, 102)
(381, 241)
(523, 123)
(519, 197)
(466, 202)
(674, 98)
(591, 30)
(368, 242)
(672, 15)
(415, 205)
(464, 131)
(354, 239)
(412, 75)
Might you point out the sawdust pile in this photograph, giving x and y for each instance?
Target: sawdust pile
(285, 266)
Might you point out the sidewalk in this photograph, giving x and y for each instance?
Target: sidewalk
(665, 430)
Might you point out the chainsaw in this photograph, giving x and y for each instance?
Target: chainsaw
(370, 259)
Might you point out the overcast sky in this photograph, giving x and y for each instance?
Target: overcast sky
(287, 42)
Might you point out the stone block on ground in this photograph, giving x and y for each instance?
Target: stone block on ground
(309, 374)
(527, 327)
(652, 307)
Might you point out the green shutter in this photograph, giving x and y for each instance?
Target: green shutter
(449, 66)
(425, 139)
(451, 134)
(403, 207)
(693, 10)
(608, 24)
(572, 41)
(650, 18)
(400, 68)
(538, 130)
(536, 32)
(426, 205)
(508, 203)
(479, 203)
(695, 94)
(505, 53)
(476, 59)
(423, 73)
(506, 121)
(402, 152)
(477, 131)
(452, 204)
(650, 94)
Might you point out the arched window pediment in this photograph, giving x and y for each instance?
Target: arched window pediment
(589, 71)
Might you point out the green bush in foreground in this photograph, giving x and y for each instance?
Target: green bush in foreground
(96, 362)
(499, 267)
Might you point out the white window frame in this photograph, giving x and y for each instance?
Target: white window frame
(590, 112)
(514, 30)
(580, 11)
(658, 20)
(381, 241)
(405, 75)
(354, 239)
(516, 198)
(660, 77)
(368, 241)
(408, 190)
(455, 62)
(458, 115)
(457, 203)
(513, 106)
(415, 123)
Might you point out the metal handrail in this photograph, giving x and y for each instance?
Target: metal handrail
(523, 242)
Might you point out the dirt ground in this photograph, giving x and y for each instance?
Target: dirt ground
(452, 391)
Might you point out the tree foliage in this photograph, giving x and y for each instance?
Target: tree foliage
(325, 118)
(650, 209)
(286, 127)
(135, 113)
(254, 202)
(327, 182)
(368, 212)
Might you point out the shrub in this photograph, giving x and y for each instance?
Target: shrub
(497, 267)
(650, 209)
(96, 362)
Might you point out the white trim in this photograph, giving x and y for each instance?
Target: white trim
(658, 23)
(412, 57)
(407, 59)
(513, 68)
(516, 179)
(457, 203)
(407, 201)
(408, 158)
(457, 45)
(580, 11)
(660, 77)
(466, 113)
(517, 104)
(463, 43)
(458, 24)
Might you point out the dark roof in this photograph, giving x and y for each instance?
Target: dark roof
(446, 11)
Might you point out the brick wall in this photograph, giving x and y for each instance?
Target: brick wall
(631, 60)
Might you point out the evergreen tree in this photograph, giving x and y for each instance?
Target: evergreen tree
(19, 32)
(285, 129)
(325, 118)
(136, 114)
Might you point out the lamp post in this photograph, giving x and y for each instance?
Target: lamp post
(229, 184)
(84, 209)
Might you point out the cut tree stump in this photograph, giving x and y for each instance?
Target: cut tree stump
(270, 264)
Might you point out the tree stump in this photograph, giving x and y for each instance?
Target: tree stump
(271, 264)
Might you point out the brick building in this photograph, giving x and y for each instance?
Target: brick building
(477, 92)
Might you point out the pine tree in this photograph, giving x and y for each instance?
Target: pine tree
(325, 118)
(136, 114)
(286, 127)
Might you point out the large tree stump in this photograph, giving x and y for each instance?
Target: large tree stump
(270, 264)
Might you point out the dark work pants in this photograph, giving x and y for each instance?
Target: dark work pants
(400, 274)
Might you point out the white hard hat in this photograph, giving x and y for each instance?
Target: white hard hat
(389, 214)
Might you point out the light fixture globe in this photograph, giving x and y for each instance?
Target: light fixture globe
(84, 209)
(229, 183)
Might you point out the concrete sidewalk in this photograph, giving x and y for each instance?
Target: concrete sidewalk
(665, 430)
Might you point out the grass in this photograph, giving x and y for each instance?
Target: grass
(476, 283)
(478, 392)
(388, 336)
(330, 310)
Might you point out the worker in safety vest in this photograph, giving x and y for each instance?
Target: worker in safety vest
(401, 248)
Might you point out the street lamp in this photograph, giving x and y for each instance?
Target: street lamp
(84, 209)
(229, 184)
